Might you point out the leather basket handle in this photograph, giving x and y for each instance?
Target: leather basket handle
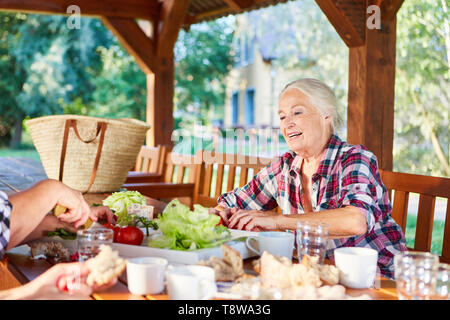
(72, 123)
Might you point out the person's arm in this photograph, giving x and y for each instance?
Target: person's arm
(30, 206)
(46, 285)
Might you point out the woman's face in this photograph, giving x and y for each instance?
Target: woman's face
(304, 128)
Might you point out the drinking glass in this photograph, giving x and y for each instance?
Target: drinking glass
(415, 275)
(442, 282)
(90, 240)
(312, 239)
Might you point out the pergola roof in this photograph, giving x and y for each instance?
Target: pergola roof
(200, 10)
(371, 54)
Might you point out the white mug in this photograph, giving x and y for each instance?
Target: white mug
(145, 275)
(274, 242)
(357, 266)
(191, 282)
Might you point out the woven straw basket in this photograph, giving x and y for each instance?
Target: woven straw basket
(97, 153)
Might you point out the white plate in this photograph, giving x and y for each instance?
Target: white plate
(186, 257)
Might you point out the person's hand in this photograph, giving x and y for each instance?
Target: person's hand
(78, 210)
(62, 281)
(102, 213)
(225, 214)
(253, 220)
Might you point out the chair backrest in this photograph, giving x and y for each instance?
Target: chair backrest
(224, 172)
(428, 189)
(150, 159)
(179, 168)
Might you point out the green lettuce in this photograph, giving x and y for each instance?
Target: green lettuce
(119, 202)
(183, 229)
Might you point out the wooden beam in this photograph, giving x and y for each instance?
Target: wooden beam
(239, 4)
(390, 8)
(112, 8)
(172, 15)
(134, 40)
(370, 118)
(347, 17)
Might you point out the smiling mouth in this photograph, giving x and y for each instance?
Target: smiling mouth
(293, 135)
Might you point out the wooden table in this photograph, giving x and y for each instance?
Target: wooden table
(18, 268)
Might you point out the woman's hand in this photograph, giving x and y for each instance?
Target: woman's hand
(101, 212)
(225, 214)
(253, 220)
(78, 210)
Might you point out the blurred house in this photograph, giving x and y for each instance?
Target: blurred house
(254, 83)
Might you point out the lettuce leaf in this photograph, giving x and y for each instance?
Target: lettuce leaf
(119, 202)
(183, 229)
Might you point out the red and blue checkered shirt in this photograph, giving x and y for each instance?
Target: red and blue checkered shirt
(5, 211)
(347, 175)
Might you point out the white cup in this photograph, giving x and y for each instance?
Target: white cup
(191, 282)
(357, 266)
(274, 242)
(145, 275)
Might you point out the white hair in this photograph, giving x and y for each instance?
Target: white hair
(320, 95)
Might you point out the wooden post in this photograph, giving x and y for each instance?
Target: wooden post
(370, 115)
(160, 88)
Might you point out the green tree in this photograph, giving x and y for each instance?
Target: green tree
(203, 58)
(422, 138)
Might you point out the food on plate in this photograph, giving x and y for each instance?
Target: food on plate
(282, 273)
(119, 202)
(63, 234)
(130, 235)
(127, 235)
(183, 229)
(49, 250)
(279, 278)
(105, 266)
(229, 268)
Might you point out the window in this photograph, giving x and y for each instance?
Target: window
(249, 49)
(250, 106)
(235, 107)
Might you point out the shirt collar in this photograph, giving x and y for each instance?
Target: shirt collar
(326, 163)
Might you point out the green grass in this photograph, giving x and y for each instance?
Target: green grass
(437, 236)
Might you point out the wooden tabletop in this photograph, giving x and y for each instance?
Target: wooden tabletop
(18, 268)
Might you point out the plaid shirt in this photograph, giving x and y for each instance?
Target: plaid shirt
(347, 175)
(5, 211)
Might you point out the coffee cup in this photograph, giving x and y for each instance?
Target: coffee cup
(145, 275)
(274, 242)
(357, 266)
(191, 282)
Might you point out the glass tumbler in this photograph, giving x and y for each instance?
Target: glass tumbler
(415, 275)
(90, 240)
(312, 239)
(442, 291)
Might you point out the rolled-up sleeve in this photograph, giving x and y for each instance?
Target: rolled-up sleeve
(5, 212)
(359, 186)
(258, 194)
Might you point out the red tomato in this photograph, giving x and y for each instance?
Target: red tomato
(220, 222)
(130, 235)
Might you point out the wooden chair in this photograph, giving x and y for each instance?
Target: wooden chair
(228, 167)
(428, 188)
(177, 180)
(149, 165)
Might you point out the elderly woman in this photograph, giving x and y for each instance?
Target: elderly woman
(322, 178)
